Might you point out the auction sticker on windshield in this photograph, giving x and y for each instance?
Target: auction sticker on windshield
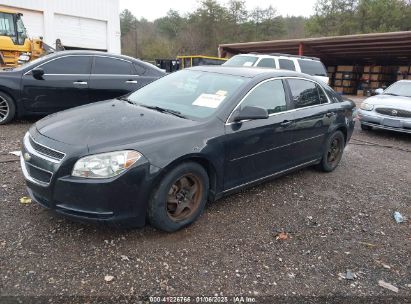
(208, 100)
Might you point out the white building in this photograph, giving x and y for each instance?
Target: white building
(83, 24)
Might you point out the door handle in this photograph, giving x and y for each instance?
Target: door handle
(286, 123)
(330, 114)
(131, 81)
(80, 82)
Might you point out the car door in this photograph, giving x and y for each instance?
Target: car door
(112, 77)
(64, 85)
(313, 115)
(258, 148)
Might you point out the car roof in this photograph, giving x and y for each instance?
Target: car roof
(290, 56)
(86, 52)
(250, 72)
(101, 53)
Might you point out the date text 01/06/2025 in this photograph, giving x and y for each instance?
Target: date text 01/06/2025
(202, 299)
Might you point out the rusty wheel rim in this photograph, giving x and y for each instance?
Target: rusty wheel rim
(334, 152)
(184, 197)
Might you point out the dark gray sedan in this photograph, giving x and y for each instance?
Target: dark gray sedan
(68, 79)
(185, 139)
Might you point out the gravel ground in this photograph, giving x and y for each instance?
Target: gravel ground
(336, 222)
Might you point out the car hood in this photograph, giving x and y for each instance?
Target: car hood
(111, 123)
(390, 101)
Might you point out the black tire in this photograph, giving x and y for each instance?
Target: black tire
(169, 208)
(365, 127)
(331, 157)
(7, 108)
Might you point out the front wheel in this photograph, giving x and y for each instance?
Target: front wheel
(180, 197)
(333, 152)
(7, 108)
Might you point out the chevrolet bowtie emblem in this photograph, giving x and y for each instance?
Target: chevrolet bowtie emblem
(394, 112)
(26, 156)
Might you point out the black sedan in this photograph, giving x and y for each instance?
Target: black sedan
(68, 79)
(185, 139)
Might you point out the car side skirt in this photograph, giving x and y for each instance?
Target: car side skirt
(268, 177)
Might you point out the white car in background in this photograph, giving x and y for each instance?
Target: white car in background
(308, 65)
(390, 109)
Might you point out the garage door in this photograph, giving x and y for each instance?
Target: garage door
(78, 32)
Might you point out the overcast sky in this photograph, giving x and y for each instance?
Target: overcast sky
(153, 9)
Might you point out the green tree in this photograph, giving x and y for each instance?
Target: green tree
(171, 24)
(342, 17)
(127, 22)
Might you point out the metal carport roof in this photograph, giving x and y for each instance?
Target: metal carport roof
(376, 48)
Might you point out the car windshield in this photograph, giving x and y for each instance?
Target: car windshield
(241, 61)
(193, 94)
(401, 88)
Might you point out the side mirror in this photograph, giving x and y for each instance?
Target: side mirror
(250, 112)
(37, 73)
(379, 91)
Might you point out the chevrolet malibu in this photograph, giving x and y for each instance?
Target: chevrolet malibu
(189, 138)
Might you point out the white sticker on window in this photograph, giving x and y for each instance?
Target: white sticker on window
(208, 100)
(248, 64)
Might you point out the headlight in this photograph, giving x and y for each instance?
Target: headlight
(105, 165)
(366, 106)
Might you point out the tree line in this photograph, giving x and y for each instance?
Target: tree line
(213, 23)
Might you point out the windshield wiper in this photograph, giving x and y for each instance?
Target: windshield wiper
(163, 110)
(391, 94)
(126, 99)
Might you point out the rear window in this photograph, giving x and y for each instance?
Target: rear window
(311, 67)
(111, 66)
(241, 61)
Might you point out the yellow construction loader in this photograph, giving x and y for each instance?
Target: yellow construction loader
(15, 46)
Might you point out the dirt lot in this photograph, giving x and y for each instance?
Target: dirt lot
(336, 222)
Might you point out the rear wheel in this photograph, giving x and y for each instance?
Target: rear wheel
(365, 127)
(7, 108)
(180, 198)
(333, 152)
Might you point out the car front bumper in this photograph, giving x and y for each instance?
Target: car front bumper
(121, 200)
(392, 123)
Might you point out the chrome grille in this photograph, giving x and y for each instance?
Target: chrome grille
(46, 151)
(394, 112)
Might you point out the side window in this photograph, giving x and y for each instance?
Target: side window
(332, 95)
(68, 65)
(269, 95)
(286, 64)
(111, 66)
(323, 97)
(266, 63)
(304, 92)
(140, 69)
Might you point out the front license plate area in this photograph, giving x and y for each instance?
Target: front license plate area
(392, 123)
